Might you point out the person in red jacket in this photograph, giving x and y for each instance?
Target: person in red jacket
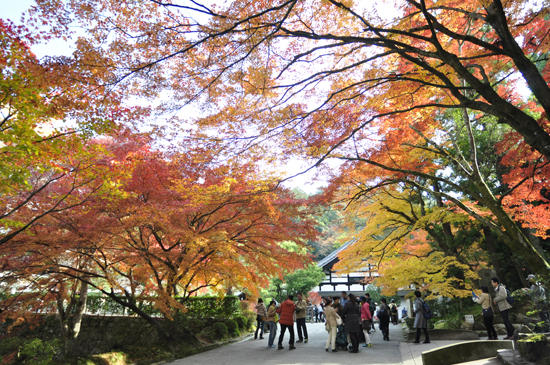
(286, 320)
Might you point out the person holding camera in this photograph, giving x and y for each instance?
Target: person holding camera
(272, 320)
(301, 306)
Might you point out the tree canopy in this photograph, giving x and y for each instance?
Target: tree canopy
(420, 105)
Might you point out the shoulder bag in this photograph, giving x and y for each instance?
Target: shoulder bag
(487, 312)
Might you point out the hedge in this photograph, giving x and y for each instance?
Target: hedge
(199, 307)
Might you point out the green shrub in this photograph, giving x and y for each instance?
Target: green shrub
(242, 322)
(522, 295)
(232, 327)
(200, 307)
(31, 351)
(9, 348)
(409, 321)
(220, 329)
(9, 344)
(454, 323)
(216, 307)
(250, 319)
(208, 333)
(194, 325)
(39, 352)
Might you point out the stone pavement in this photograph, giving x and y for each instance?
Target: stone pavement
(256, 352)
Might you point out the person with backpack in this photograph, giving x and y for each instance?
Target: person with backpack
(501, 299)
(420, 320)
(393, 312)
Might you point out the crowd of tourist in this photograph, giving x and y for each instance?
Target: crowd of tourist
(349, 320)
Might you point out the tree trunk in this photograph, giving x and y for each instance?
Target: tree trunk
(491, 248)
(79, 312)
(63, 322)
(508, 230)
(514, 238)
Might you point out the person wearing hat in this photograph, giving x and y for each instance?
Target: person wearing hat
(532, 280)
(538, 293)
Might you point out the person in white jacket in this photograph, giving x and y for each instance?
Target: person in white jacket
(503, 306)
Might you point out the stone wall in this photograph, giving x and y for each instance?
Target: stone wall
(103, 334)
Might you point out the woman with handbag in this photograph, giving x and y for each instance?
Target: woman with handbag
(261, 314)
(331, 325)
(487, 310)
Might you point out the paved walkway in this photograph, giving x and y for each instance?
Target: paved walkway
(256, 352)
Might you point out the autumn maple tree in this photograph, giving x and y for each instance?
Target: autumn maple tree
(46, 117)
(408, 239)
(181, 225)
(67, 182)
(334, 79)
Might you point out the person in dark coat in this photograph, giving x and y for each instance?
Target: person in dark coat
(420, 322)
(384, 318)
(351, 314)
